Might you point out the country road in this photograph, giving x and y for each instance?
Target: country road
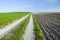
(29, 33)
(50, 25)
(4, 31)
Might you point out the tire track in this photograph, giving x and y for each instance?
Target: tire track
(29, 33)
(4, 31)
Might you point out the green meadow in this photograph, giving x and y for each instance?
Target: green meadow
(7, 18)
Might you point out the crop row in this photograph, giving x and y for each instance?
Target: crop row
(50, 26)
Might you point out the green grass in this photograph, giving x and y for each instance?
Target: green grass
(6, 18)
(18, 32)
(38, 31)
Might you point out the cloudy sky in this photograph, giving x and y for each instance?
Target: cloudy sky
(29, 5)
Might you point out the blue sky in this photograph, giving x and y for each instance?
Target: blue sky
(29, 5)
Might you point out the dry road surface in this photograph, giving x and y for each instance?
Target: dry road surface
(29, 33)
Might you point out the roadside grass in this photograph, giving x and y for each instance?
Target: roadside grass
(38, 31)
(6, 18)
(18, 32)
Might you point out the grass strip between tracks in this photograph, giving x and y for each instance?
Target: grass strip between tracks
(38, 31)
(18, 32)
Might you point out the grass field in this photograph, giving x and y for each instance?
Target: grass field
(18, 32)
(6, 18)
